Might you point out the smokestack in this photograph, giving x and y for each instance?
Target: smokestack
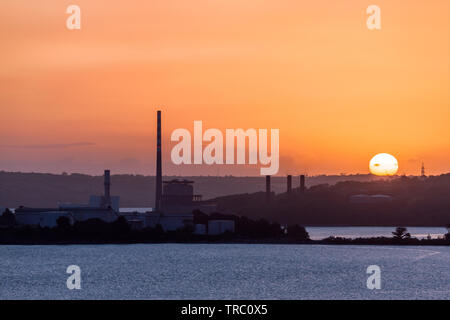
(107, 182)
(289, 183)
(268, 188)
(158, 195)
(302, 183)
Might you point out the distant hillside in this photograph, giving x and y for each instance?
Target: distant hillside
(413, 201)
(48, 190)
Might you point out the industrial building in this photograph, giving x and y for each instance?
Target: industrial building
(175, 202)
(216, 227)
(100, 207)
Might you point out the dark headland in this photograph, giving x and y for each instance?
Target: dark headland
(259, 218)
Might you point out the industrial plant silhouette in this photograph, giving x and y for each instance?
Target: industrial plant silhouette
(420, 201)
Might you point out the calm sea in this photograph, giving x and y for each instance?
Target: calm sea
(224, 271)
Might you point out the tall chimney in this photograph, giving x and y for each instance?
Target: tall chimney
(107, 182)
(302, 183)
(158, 195)
(289, 183)
(268, 188)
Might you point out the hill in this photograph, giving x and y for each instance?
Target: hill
(410, 201)
(48, 190)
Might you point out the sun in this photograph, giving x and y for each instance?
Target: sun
(383, 164)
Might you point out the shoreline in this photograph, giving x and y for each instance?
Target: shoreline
(336, 241)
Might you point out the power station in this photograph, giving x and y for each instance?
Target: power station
(174, 204)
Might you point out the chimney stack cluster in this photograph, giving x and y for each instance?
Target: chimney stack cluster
(289, 186)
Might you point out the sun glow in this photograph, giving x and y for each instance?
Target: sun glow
(383, 164)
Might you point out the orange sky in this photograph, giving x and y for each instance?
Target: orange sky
(85, 100)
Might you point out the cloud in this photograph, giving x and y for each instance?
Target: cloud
(50, 146)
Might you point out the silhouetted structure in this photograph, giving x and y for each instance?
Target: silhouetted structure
(401, 233)
(289, 183)
(302, 183)
(175, 202)
(178, 197)
(422, 170)
(268, 188)
(158, 194)
(107, 196)
(106, 200)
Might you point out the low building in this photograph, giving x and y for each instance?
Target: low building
(99, 201)
(137, 220)
(200, 229)
(178, 197)
(30, 216)
(217, 227)
(83, 213)
(49, 219)
(177, 205)
(40, 217)
(170, 221)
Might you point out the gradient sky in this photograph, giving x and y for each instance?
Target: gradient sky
(85, 100)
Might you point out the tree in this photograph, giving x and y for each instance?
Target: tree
(7, 218)
(401, 233)
(63, 223)
(298, 232)
(120, 226)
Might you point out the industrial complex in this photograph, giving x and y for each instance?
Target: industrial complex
(174, 205)
(175, 202)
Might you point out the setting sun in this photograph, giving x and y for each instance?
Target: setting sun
(383, 164)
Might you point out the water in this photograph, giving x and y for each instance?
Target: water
(224, 271)
(317, 233)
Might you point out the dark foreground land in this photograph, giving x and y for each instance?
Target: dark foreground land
(247, 231)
